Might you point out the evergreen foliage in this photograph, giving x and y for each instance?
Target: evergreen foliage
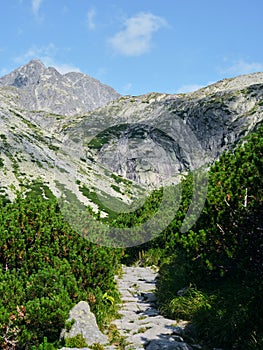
(46, 268)
(212, 274)
(218, 264)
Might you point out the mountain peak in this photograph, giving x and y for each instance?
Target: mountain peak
(42, 88)
(24, 76)
(35, 63)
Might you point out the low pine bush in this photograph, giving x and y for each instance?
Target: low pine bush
(46, 268)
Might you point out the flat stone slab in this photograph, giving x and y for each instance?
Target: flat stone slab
(168, 344)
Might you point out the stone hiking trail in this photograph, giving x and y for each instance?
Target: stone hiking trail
(141, 321)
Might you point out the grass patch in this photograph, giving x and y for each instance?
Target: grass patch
(116, 188)
(76, 342)
(115, 338)
(221, 311)
(107, 204)
(120, 179)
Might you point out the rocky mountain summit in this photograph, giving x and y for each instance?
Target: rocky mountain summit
(77, 137)
(37, 87)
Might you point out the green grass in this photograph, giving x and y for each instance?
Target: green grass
(109, 204)
(115, 338)
(120, 179)
(76, 342)
(221, 311)
(116, 188)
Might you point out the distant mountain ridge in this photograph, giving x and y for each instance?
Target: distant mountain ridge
(40, 88)
(122, 147)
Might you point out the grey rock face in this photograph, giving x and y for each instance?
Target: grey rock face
(155, 137)
(41, 88)
(85, 324)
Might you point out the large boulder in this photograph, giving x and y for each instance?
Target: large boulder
(85, 324)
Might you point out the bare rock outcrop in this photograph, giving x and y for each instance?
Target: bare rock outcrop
(85, 324)
(45, 89)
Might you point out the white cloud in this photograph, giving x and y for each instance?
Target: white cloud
(136, 38)
(63, 68)
(41, 52)
(126, 88)
(3, 71)
(192, 87)
(242, 67)
(36, 6)
(188, 88)
(46, 55)
(90, 19)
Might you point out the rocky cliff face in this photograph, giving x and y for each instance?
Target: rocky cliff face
(115, 151)
(45, 89)
(155, 137)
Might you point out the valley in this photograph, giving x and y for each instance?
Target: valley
(91, 180)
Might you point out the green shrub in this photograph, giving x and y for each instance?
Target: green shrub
(97, 346)
(221, 256)
(191, 301)
(45, 346)
(46, 268)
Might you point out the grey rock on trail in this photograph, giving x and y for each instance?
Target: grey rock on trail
(85, 324)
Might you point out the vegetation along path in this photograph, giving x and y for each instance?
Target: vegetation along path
(141, 321)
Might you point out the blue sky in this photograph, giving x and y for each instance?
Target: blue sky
(136, 46)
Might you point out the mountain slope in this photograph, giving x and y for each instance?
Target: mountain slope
(121, 148)
(154, 137)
